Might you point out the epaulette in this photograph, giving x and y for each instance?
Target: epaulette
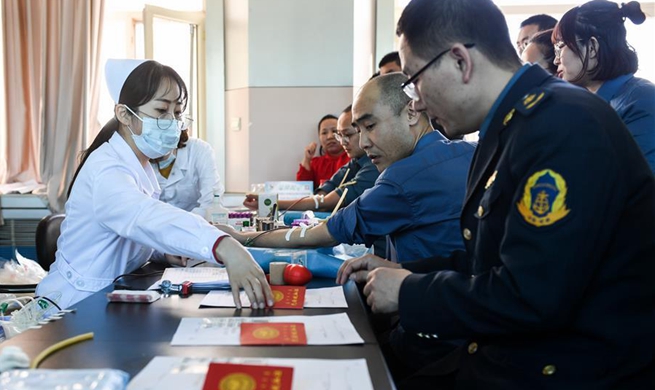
(528, 103)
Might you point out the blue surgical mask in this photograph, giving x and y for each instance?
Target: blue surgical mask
(165, 163)
(153, 141)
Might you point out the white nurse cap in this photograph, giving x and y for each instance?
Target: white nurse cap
(116, 72)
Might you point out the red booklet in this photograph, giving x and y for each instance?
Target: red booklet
(273, 333)
(288, 297)
(245, 376)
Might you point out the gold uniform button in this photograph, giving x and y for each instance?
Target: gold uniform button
(473, 348)
(549, 370)
(467, 234)
(480, 211)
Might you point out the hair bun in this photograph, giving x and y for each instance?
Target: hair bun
(632, 10)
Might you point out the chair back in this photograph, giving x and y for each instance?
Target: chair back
(47, 233)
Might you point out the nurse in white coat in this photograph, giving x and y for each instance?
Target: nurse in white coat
(188, 176)
(114, 219)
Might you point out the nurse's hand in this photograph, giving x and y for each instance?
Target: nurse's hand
(252, 201)
(357, 269)
(244, 272)
(176, 260)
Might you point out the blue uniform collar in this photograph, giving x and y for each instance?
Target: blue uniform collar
(611, 87)
(428, 139)
(492, 113)
(363, 160)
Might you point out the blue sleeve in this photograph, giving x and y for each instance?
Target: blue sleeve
(334, 181)
(363, 180)
(379, 211)
(638, 113)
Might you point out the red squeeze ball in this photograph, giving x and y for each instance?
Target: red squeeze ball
(296, 275)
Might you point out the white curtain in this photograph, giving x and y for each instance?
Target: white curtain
(52, 63)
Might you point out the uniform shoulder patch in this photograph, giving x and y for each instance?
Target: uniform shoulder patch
(544, 199)
(528, 103)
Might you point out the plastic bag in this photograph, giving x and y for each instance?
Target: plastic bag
(33, 313)
(21, 271)
(105, 379)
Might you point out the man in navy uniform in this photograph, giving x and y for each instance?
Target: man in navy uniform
(555, 289)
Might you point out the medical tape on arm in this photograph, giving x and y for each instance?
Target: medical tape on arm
(288, 235)
(316, 197)
(303, 230)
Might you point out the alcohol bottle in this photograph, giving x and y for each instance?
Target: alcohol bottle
(216, 213)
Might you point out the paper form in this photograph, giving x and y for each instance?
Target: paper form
(329, 297)
(194, 275)
(175, 373)
(332, 329)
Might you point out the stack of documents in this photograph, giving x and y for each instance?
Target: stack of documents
(175, 373)
(332, 329)
(330, 297)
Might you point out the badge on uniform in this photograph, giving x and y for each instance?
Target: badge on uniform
(531, 101)
(544, 199)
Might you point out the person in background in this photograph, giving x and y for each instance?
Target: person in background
(389, 63)
(188, 176)
(114, 219)
(555, 289)
(415, 201)
(358, 175)
(531, 26)
(592, 52)
(331, 155)
(540, 50)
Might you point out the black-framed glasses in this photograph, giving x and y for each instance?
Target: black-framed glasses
(409, 86)
(343, 136)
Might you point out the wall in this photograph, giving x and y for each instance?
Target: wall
(288, 63)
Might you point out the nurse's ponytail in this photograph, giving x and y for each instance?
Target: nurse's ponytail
(103, 136)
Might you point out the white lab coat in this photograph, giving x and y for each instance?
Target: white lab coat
(114, 221)
(193, 179)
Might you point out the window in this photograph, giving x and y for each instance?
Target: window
(171, 35)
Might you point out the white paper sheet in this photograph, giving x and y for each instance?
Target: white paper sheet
(328, 297)
(332, 329)
(194, 275)
(176, 373)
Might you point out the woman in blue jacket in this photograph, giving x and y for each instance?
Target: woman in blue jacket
(591, 51)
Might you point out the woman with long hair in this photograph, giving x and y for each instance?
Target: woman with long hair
(115, 221)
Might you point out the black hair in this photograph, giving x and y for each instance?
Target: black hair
(543, 42)
(543, 22)
(604, 21)
(389, 57)
(325, 117)
(184, 137)
(347, 109)
(390, 94)
(430, 26)
(139, 88)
